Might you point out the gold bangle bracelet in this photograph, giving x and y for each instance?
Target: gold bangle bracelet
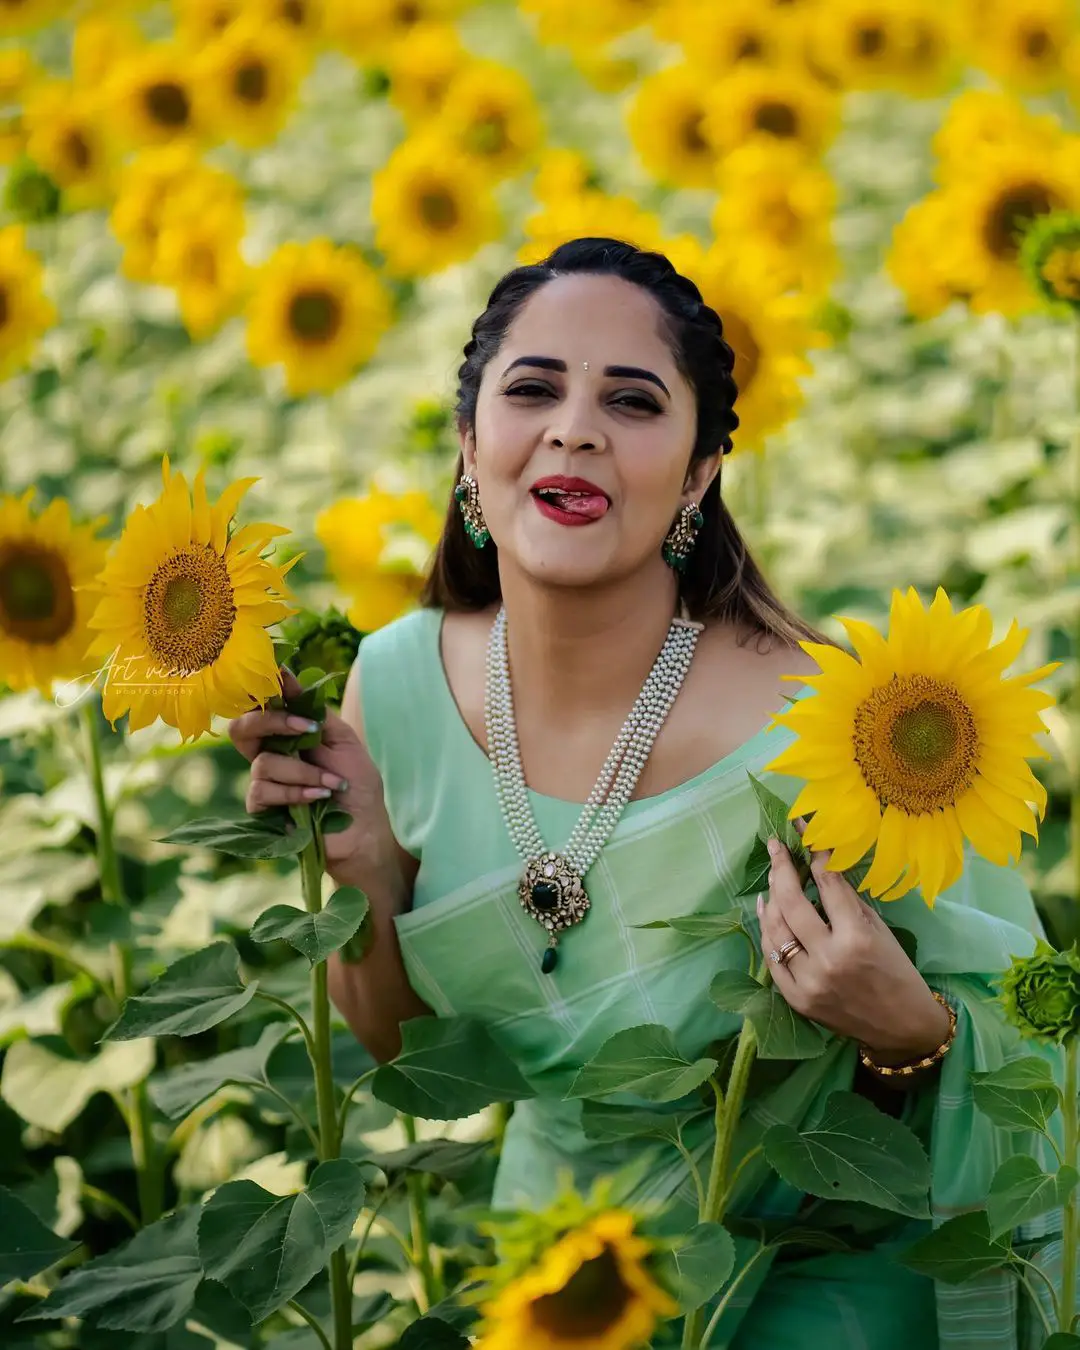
(915, 1066)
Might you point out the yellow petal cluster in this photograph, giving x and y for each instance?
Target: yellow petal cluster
(666, 121)
(592, 1290)
(26, 15)
(715, 38)
(198, 254)
(153, 99)
(248, 80)
(67, 137)
(1024, 43)
(318, 310)
(376, 547)
(915, 743)
(185, 604)
(490, 114)
(46, 564)
(571, 207)
(432, 207)
(422, 70)
(783, 102)
(25, 310)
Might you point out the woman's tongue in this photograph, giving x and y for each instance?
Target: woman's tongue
(579, 503)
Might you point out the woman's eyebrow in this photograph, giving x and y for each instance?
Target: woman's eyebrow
(553, 363)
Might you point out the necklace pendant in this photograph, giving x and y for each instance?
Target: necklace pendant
(551, 892)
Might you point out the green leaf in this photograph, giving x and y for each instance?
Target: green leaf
(609, 1124)
(1062, 1340)
(315, 935)
(909, 944)
(702, 925)
(194, 994)
(782, 1033)
(1021, 1190)
(49, 1090)
(1021, 1095)
(775, 812)
(642, 1060)
(183, 1088)
(755, 877)
(449, 1067)
(697, 1268)
(264, 1248)
(959, 1249)
(259, 836)
(856, 1153)
(432, 1333)
(446, 1158)
(26, 1245)
(148, 1284)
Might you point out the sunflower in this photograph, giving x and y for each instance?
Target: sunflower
(25, 312)
(201, 21)
(98, 44)
(591, 1290)
(319, 311)
(1023, 43)
(1050, 256)
(916, 744)
(773, 194)
(715, 38)
(930, 51)
(19, 72)
(21, 16)
(1003, 193)
(67, 138)
(46, 562)
(432, 206)
(198, 254)
(884, 44)
(490, 113)
(922, 259)
(782, 102)
(368, 32)
(304, 20)
(588, 214)
(376, 549)
(248, 81)
(153, 97)
(561, 173)
(666, 121)
(767, 329)
(984, 119)
(184, 606)
(421, 70)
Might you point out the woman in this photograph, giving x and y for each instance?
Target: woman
(586, 536)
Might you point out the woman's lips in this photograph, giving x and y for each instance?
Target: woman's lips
(572, 509)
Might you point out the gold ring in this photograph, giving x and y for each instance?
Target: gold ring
(786, 952)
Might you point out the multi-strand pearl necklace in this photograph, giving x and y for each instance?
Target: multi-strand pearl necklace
(551, 888)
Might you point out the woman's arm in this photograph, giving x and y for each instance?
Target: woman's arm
(374, 994)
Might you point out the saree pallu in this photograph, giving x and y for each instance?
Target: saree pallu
(470, 950)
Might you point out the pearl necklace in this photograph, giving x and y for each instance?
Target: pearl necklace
(551, 887)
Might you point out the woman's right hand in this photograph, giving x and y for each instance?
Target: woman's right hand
(339, 767)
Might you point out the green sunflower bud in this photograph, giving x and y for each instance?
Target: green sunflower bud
(325, 641)
(1041, 994)
(29, 194)
(1050, 255)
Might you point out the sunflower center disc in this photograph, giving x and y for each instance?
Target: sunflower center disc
(1012, 213)
(251, 83)
(168, 104)
(870, 40)
(438, 210)
(748, 47)
(777, 119)
(293, 12)
(916, 743)
(589, 1303)
(5, 310)
(78, 151)
(36, 600)
(314, 316)
(693, 139)
(188, 610)
(489, 136)
(1038, 44)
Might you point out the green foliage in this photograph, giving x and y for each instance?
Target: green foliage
(26, 1245)
(958, 1250)
(642, 1060)
(699, 1265)
(315, 935)
(1021, 1095)
(448, 1068)
(194, 994)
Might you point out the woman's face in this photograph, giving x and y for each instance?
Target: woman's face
(625, 434)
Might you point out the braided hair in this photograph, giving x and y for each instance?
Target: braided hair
(721, 578)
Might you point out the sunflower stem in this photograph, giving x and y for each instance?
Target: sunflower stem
(326, 1107)
(1071, 1229)
(729, 1103)
(149, 1175)
(421, 1231)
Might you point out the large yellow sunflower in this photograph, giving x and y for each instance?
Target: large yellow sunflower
(421, 70)
(1023, 43)
(25, 310)
(716, 37)
(782, 102)
(985, 119)
(377, 547)
(767, 329)
(185, 604)
(198, 254)
(908, 45)
(67, 138)
(917, 743)
(592, 1290)
(666, 121)
(318, 310)
(923, 260)
(590, 213)
(45, 560)
(247, 81)
(1000, 195)
(153, 97)
(490, 113)
(432, 206)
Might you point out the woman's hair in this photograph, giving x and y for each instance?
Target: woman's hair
(721, 580)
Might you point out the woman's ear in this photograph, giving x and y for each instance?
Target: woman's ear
(700, 474)
(467, 441)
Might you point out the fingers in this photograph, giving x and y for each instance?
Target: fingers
(785, 890)
(248, 731)
(774, 934)
(280, 780)
(841, 903)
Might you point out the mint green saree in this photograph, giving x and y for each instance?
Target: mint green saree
(470, 950)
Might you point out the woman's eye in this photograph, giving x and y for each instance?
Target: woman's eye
(629, 400)
(527, 389)
(633, 402)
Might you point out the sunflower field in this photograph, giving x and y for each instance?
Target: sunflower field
(241, 246)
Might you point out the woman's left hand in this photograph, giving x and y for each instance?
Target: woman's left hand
(851, 974)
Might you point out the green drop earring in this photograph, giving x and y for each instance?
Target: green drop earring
(467, 496)
(682, 536)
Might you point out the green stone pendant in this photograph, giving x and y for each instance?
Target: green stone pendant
(550, 961)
